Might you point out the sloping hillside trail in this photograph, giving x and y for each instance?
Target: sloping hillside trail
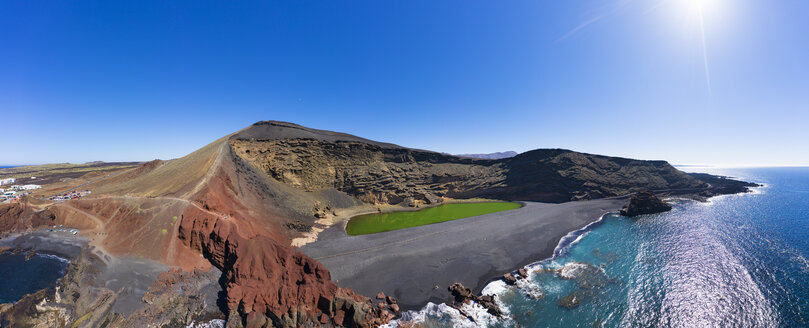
(93, 234)
(96, 235)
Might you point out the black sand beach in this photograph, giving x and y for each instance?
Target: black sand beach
(409, 263)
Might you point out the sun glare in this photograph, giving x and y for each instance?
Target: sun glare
(699, 11)
(702, 6)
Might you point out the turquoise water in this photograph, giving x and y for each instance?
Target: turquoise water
(737, 261)
(21, 276)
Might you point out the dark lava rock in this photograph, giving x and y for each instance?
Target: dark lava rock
(462, 294)
(510, 279)
(644, 202)
(523, 273)
(570, 301)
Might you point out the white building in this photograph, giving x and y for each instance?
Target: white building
(31, 187)
(26, 187)
(7, 181)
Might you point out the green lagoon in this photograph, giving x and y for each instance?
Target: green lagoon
(379, 222)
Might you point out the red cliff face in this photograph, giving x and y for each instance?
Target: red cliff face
(270, 284)
(20, 216)
(267, 282)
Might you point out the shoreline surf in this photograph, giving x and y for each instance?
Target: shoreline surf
(496, 286)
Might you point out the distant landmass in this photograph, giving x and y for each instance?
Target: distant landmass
(497, 155)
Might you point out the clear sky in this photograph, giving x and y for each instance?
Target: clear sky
(138, 80)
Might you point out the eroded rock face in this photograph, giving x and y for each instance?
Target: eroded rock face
(381, 173)
(20, 216)
(272, 285)
(179, 298)
(372, 173)
(268, 284)
(644, 202)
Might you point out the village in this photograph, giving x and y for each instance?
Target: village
(14, 192)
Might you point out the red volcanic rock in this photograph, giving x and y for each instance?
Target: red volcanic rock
(19, 216)
(269, 283)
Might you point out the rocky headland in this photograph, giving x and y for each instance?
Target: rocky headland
(644, 202)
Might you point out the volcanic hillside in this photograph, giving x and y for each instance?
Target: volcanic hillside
(238, 202)
(315, 160)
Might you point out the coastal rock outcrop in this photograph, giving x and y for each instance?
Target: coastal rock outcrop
(270, 284)
(463, 295)
(644, 202)
(509, 279)
(21, 216)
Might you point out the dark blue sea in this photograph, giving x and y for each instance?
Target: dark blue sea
(19, 276)
(736, 261)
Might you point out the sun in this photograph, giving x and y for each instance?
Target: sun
(699, 9)
(701, 6)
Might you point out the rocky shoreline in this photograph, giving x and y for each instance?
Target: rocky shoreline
(644, 202)
(95, 292)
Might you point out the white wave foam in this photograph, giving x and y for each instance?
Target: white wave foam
(432, 311)
(753, 191)
(215, 323)
(54, 257)
(573, 238)
(442, 313)
(573, 270)
(496, 288)
(530, 289)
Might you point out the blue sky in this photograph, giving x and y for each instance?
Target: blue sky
(138, 80)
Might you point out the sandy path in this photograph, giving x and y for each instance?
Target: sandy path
(94, 240)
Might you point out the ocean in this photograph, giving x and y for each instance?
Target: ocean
(735, 261)
(21, 276)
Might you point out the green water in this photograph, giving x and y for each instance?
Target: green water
(379, 222)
